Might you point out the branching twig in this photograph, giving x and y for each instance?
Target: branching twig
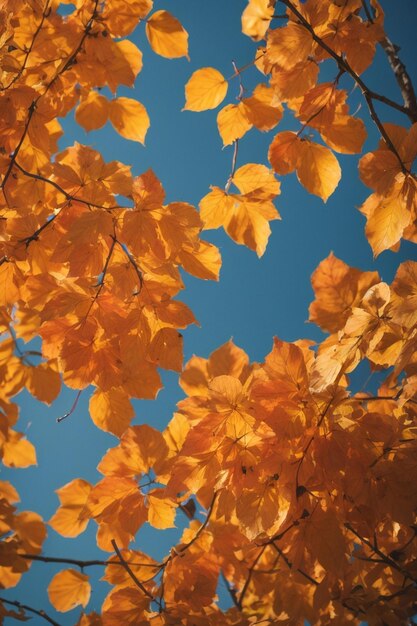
(387, 560)
(67, 195)
(25, 607)
(401, 75)
(130, 572)
(202, 527)
(249, 577)
(45, 14)
(367, 93)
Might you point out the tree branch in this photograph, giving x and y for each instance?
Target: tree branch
(401, 75)
(387, 560)
(25, 607)
(130, 572)
(367, 93)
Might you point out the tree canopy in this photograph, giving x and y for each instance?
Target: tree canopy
(293, 485)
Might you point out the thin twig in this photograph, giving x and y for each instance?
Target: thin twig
(231, 591)
(25, 607)
(130, 572)
(45, 14)
(383, 556)
(234, 161)
(249, 577)
(202, 527)
(367, 93)
(67, 195)
(133, 263)
(72, 409)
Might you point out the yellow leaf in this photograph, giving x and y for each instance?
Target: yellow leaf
(203, 261)
(248, 223)
(337, 288)
(233, 123)
(318, 170)
(111, 410)
(166, 35)
(256, 180)
(129, 118)
(206, 89)
(214, 207)
(161, 512)
(166, 349)
(93, 111)
(18, 451)
(69, 589)
(263, 109)
(386, 221)
(256, 18)
(289, 45)
(346, 134)
(67, 520)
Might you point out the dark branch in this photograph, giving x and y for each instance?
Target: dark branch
(25, 607)
(130, 572)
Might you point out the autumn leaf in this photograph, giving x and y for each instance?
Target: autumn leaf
(256, 18)
(166, 35)
(93, 111)
(318, 170)
(206, 89)
(111, 410)
(68, 589)
(129, 118)
(68, 520)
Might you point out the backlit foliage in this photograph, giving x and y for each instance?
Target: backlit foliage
(300, 491)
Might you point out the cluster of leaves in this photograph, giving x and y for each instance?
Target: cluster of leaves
(308, 488)
(290, 61)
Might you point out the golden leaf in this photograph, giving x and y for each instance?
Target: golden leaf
(129, 118)
(206, 89)
(166, 35)
(68, 589)
(318, 170)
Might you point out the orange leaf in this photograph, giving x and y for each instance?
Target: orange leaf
(289, 45)
(337, 288)
(69, 589)
(129, 118)
(256, 18)
(93, 111)
(318, 170)
(263, 109)
(166, 35)
(43, 382)
(18, 451)
(67, 520)
(111, 410)
(206, 89)
(233, 123)
(161, 512)
(387, 217)
(285, 152)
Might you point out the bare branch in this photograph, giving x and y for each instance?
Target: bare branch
(25, 607)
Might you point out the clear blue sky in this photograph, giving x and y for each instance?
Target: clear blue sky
(255, 298)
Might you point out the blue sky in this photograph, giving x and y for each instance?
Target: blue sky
(255, 298)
